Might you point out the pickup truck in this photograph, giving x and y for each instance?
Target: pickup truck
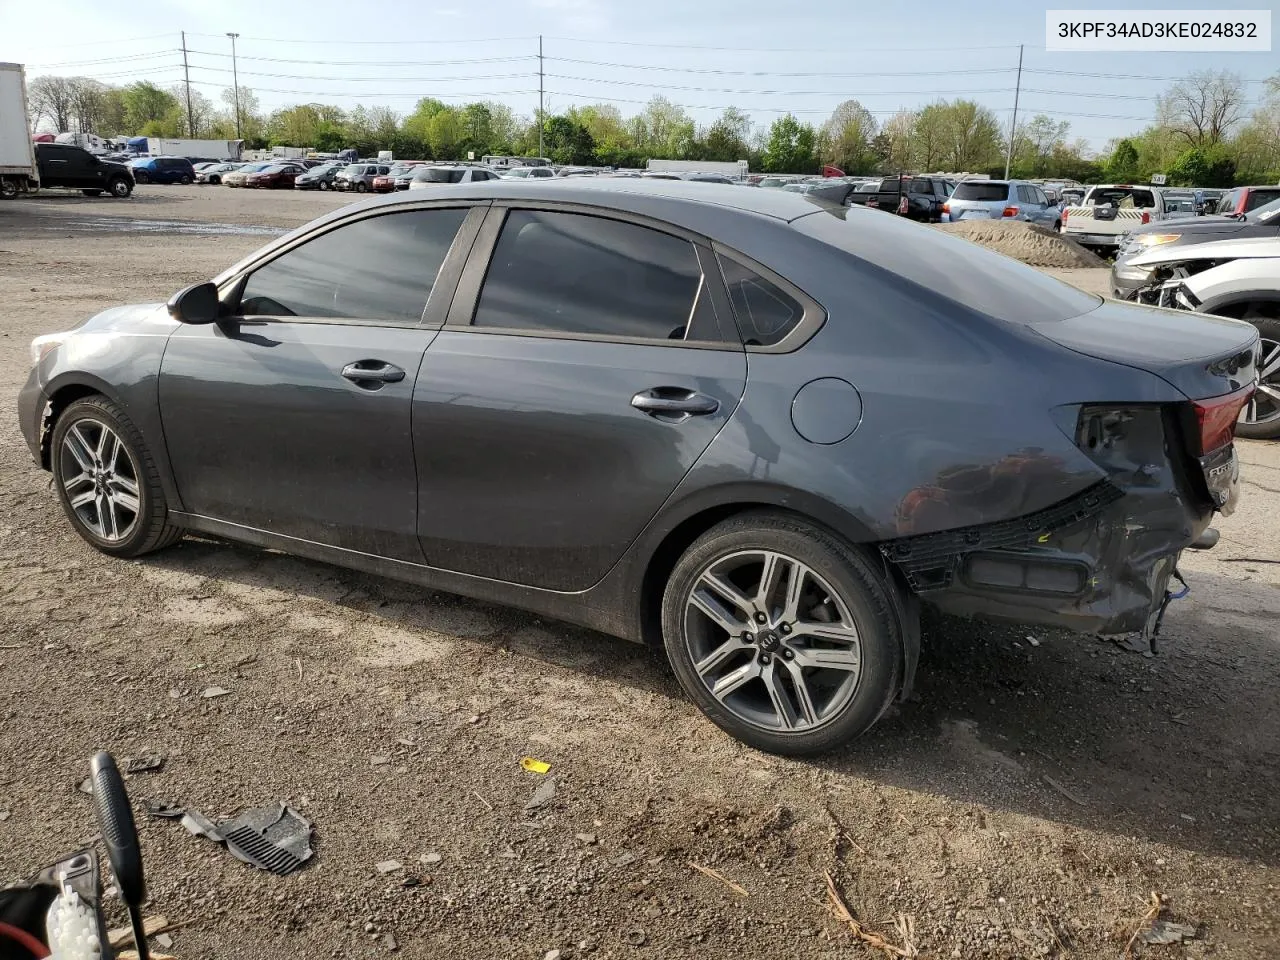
(1109, 211)
(62, 165)
(921, 197)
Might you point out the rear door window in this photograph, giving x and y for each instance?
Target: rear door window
(981, 190)
(1024, 194)
(380, 268)
(1128, 197)
(1260, 198)
(578, 274)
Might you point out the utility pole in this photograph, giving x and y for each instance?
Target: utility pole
(186, 71)
(235, 79)
(1013, 130)
(540, 118)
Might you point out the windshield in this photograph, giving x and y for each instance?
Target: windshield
(981, 190)
(274, 168)
(1265, 213)
(438, 175)
(512, 174)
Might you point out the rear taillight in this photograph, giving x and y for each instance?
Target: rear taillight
(1217, 418)
(1065, 214)
(946, 208)
(1146, 217)
(1010, 212)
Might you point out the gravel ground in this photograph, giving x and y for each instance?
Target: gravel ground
(1027, 802)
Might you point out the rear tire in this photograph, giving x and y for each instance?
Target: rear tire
(361, 188)
(1057, 227)
(215, 180)
(323, 185)
(796, 669)
(185, 180)
(141, 178)
(8, 189)
(106, 460)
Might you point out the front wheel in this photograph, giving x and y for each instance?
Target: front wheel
(185, 180)
(120, 188)
(785, 637)
(215, 180)
(361, 188)
(323, 185)
(1260, 418)
(142, 178)
(107, 482)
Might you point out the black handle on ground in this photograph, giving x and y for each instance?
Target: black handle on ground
(120, 837)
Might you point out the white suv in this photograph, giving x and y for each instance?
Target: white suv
(440, 173)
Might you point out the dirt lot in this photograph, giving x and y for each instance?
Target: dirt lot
(1027, 802)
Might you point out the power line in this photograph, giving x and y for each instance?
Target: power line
(124, 59)
(843, 50)
(474, 95)
(777, 73)
(218, 36)
(370, 63)
(1118, 76)
(785, 93)
(384, 79)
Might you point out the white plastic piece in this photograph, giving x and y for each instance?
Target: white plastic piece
(72, 929)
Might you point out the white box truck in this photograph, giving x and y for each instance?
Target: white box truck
(229, 150)
(729, 168)
(17, 158)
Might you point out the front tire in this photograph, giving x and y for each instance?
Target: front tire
(323, 185)
(185, 180)
(215, 180)
(120, 188)
(361, 188)
(1260, 418)
(786, 637)
(107, 482)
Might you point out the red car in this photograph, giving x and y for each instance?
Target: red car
(400, 171)
(275, 176)
(1244, 200)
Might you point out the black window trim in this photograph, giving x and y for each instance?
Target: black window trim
(811, 319)
(467, 299)
(438, 300)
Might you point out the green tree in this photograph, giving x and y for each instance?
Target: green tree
(1209, 166)
(790, 147)
(1122, 165)
(973, 140)
(148, 106)
(568, 142)
(445, 132)
(847, 138)
(1036, 144)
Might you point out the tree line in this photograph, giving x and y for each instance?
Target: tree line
(1200, 134)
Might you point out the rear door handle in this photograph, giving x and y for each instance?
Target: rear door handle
(674, 402)
(376, 370)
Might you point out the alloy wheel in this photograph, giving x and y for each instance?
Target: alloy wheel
(1264, 405)
(772, 641)
(100, 480)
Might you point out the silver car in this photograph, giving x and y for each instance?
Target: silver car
(1003, 200)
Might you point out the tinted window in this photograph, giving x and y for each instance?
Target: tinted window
(581, 274)
(981, 190)
(971, 275)
(765, 314)
(381, 268)
(438, 175)
(1025, 195)
(1042, 198)
(1259, 198)
(1122, 197)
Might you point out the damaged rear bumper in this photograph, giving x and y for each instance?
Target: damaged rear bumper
(1099, 562)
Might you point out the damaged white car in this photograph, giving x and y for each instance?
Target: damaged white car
(1228, 278)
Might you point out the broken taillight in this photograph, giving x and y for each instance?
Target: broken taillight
(1010, 212)
(1217, 418)
(1146, 217)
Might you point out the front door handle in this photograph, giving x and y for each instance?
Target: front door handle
(674, 402)
(375, 370)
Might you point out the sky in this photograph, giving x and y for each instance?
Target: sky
(765, 58)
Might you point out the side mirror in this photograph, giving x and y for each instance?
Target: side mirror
(198, 304)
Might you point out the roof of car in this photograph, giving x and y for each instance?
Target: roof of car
(639, 195)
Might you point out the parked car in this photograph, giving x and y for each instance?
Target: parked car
(469, 412)
(1071, 195)
(1238, 278)
(527, 173)
(919, 198)
(1002, 200)
(319, 178)
(214, 172)
(275, 177)
(438, 174)
(163, 170)
(389, 181)
(867, 190)
(66, 165)
(1109, 211)
(237, 178)
(359, 177)
(1127, 279)
(1242, 200)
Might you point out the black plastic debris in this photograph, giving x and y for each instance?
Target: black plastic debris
(164, 810)
(151, 764)
(275, 838)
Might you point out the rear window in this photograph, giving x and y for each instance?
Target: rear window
(978, 190)
(1121, 197)
(1260, 198)
(439, 175)
(972, 276)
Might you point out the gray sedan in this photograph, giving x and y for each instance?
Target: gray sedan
(755, 429)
